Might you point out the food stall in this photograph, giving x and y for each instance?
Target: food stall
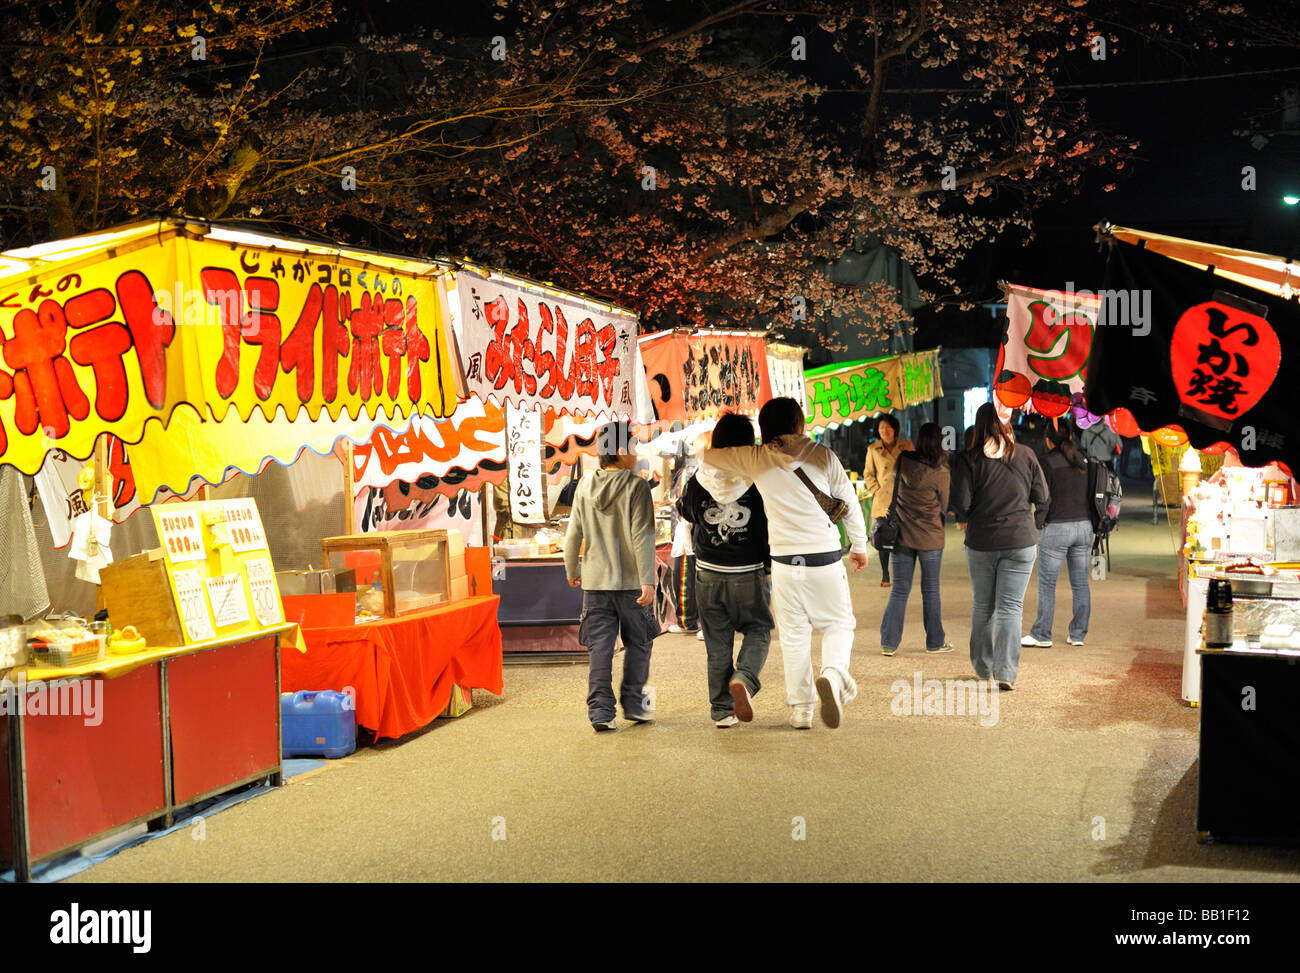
(209, 349)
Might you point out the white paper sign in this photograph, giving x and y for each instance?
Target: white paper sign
(244, 525)
(533, 347)
(524, 459)
(228, 603)
(180, 535)
(261, 582)
(193, 603)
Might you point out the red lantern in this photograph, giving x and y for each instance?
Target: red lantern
(1223, 359)
(1051, 404)
(1122, 421)
(1171, 436)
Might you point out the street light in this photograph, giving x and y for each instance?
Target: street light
(1291, 200)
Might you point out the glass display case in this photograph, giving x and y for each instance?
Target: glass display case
(397, 572)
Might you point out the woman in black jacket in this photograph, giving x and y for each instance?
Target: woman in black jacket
(994, 484)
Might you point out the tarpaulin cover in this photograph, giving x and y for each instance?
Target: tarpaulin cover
(403, 669)
(111, 333)
(1207, 354)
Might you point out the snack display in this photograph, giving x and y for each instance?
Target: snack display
(63, 643)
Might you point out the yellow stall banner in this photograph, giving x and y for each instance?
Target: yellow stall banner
(104, 334)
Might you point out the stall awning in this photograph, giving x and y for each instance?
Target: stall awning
(113, 331)
(847, 392)
(1205, 357)
(695, 375)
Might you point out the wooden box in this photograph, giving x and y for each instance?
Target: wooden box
(398, 571)
(137, 592)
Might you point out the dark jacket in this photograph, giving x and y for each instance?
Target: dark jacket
(729, 533)
(921, 494)
(1069, 488)
(993, 496)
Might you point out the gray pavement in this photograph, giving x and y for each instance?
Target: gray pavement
(1088, 773)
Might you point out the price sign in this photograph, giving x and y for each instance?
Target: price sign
(228, 602)
(181, 535)
(261, 582)
(192, 601)
(245, 526)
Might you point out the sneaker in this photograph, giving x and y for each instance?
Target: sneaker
(1030, 642)
(603, 727)
(727, 722)
(946, 647)
(740, 699)
(678, 630)
(801, 718)
(1074, 641)
(642, 717)
(829, 692)
(886, 583)
(700, 635)
(1004, 686)
(884, 651)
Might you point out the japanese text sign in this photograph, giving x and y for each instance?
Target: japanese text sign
(694, 375)
(106, 342)
(526, 346)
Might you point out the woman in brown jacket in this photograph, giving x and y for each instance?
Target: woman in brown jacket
(878, 475)
(922, 482)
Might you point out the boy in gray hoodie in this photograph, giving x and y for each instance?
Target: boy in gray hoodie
(612, 527)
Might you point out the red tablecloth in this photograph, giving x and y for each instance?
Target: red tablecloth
(403, 669)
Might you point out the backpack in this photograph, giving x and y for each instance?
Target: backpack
(1106, 493)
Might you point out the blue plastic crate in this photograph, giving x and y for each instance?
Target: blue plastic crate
(317, 724)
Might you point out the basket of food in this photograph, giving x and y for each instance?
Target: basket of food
(65, 642)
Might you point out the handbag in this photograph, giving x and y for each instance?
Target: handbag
(886, 530)
(834, 508)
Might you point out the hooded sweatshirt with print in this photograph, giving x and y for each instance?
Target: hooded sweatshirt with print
(993, 494)
(613, 527)
(729, 524)
(795, 523)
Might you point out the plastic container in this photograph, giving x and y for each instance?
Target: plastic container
(13, 642)
(317, 724)
(60, 644)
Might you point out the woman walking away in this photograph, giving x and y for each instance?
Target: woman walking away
(878, 475)
(994, 484)
(732, 590)
(1066, 536)
(921, 486)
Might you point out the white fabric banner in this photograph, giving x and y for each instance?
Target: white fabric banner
(388, 509)
(1046, 346)
(524, 457)
(532, 347)
(475, 434)
(786, 376)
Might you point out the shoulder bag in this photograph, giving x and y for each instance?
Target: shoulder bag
(886, 530)
(834, 508)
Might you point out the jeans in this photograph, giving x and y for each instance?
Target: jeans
(605, 616)
(998, 580)
(731, 603)
(903, 564)
(1069, 541)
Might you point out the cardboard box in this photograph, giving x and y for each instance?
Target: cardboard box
(461, 702)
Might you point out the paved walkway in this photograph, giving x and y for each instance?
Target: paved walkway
(1088, 774)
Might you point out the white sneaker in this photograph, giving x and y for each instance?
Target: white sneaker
(700, 635)
(1075, 641)
(604, 727)
(828, 689)
(801, 718)
(726, 723)
(1030, 642)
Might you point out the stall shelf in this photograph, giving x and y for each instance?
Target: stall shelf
(176, 726)
(403, 671)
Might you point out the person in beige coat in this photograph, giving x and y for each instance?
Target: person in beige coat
(878, 475)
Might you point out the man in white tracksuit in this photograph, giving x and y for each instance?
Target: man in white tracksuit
(810, 587)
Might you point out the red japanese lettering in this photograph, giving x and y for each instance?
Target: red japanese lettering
(47, 389)
(417, 350)
(524, 350)
(259, 326)
(152, 330)
(582, 370)
(393, 344)
(299, 349)
(119, 468)
(499, 364)
(1045, 331)
(102, 349)
(221, 287)
(6, 390)
(366, 376)
(335, 341)
(608, 368)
